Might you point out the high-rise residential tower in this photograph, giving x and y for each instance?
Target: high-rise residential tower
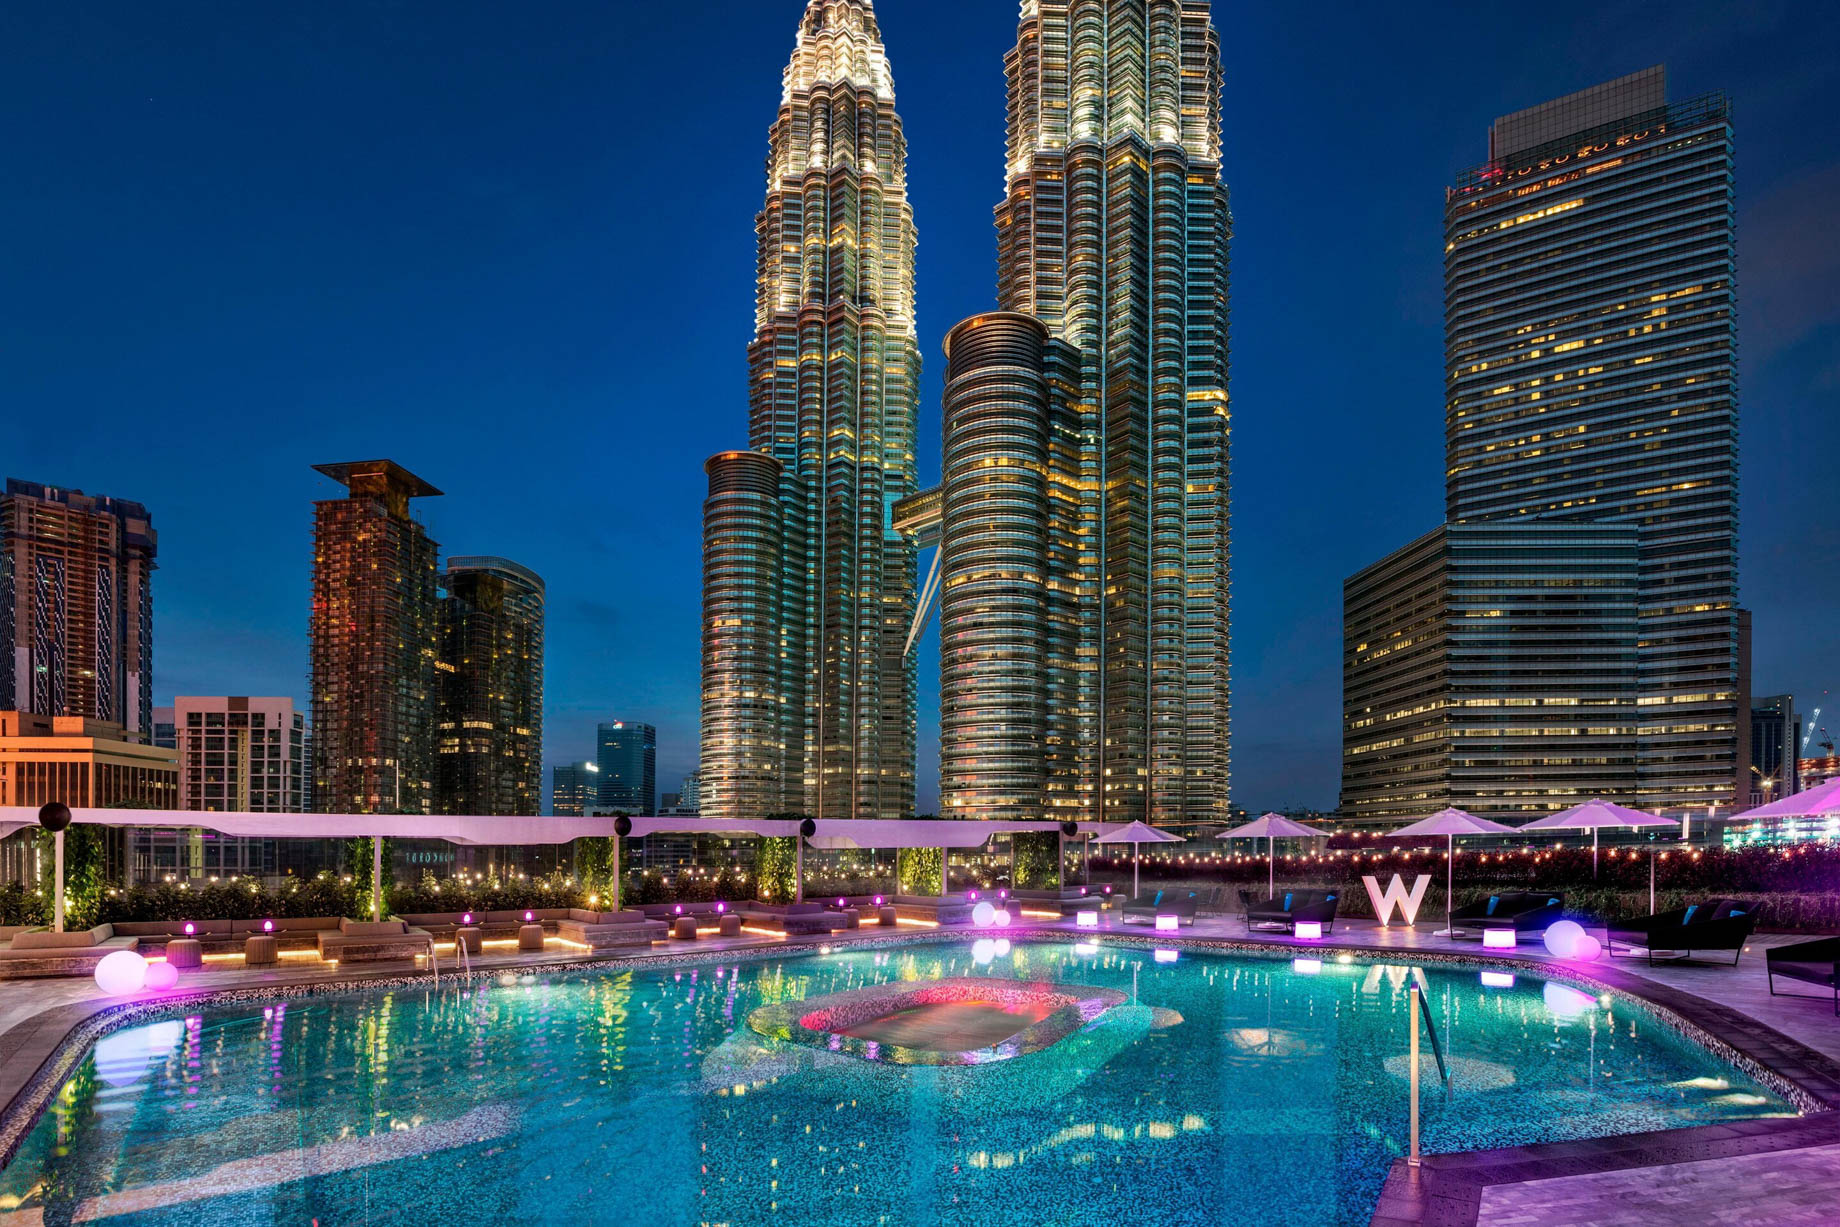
(808, 588)
(1083, 511)
(626, 755)
(1591, 379)
(76, 606)
(489, 717)
(374, 634)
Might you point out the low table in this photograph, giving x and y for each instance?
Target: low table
(729, 925)
(886, 915)
(684, 927)
(468, 938)
(185, 952)
(530, 938)
(258, 951)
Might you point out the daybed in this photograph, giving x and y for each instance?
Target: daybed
(1285, 909)
(1716, 924)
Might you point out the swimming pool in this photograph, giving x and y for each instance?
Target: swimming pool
(1206, 1088)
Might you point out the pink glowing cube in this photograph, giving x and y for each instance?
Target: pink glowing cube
(1498, 939)
(1168, 924)
(1087, 920)
(1309, 930)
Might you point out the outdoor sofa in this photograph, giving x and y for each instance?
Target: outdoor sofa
(1182, 904)
(1524, 911)
(1716, 924)
(1067, 901)
(602, 930)
(793, 919)
(492, 926)
(1285, 909)
(373, 941)
(937, 909)
(225, 936)
(36, 953)
(1815, 962)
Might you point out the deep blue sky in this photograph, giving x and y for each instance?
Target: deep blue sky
(511, 246)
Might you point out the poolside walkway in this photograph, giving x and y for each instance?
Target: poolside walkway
(1780, 1171)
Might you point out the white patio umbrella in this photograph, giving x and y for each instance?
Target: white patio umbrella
(1272, 827)
(1451, 823)
(1597, 815)
(1135, 834)
(1821, 801)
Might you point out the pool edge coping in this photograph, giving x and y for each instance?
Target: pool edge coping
(1445, 1191)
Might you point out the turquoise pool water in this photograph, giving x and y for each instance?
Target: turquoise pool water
(642, 1097)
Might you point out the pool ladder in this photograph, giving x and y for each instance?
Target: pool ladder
(1415, 1001)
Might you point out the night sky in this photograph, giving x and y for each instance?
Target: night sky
(511, 247)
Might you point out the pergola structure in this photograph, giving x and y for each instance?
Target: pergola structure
(943, 834)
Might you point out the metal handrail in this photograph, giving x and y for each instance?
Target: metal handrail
(434, 962)
(1437, 1049)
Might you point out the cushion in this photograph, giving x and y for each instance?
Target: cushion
(1494, 902)
(1688, 918)
(372, 928)
(1287, 900)
(1736, 911)
(81, 939)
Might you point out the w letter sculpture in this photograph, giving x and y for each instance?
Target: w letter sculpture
(1396, 896)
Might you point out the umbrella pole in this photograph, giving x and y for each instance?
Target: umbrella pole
(1593, 851)
(1450, 881)
(1137, 856)
(942, 872)
(1271, 867)
(616, 871)
(1651, 879)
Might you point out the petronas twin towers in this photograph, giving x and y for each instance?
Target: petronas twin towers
(1081, 518)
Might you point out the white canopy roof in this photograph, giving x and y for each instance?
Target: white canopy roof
(1598, 813)
(1452, 822)
(831, 832)
(1272, 826)
(1821, 801)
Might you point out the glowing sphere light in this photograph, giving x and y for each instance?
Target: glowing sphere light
(121, 973)
(160, 977)
(983, 915)
(1563, 937)
(1588, 949)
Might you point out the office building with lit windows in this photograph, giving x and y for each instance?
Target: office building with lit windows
(808, 701)
(1082, 516)
(373, 637)
(574, 789)
(1591, 375)
(626, 758)
(1776, 749)
(76, 606)
(489, 709)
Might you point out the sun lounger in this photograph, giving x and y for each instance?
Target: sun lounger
(1524, 911)
(1816, 962)
(1286, 908)
(1182, 904)
(1716, 924)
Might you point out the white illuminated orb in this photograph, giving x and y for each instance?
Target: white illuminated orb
(1588, 949)
(121, 973)
(1001, 919)
(1563, 937)
(160, 977)
(983, 914)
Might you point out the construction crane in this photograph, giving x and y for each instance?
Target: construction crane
(1813, 721)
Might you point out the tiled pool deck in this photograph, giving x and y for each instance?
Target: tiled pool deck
(1780, 1171)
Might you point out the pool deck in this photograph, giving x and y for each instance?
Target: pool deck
(1780, 1171)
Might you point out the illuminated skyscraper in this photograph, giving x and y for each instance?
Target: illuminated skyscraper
(76, 606)
(489, 735)
(808, 589)
(1591, 392)
(1083, 510)
(373, 637)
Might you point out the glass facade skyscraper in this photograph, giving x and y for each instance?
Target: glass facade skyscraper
(489, 731)
(1084, 519)
(1591, 375)
(808, 693)
(626, 755)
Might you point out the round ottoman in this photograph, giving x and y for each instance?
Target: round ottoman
(852, 918)
(185, 952)
(684, 927)
(467, 938)
(530, 937)
(258, 951)
(887, 916)
(730, 925)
